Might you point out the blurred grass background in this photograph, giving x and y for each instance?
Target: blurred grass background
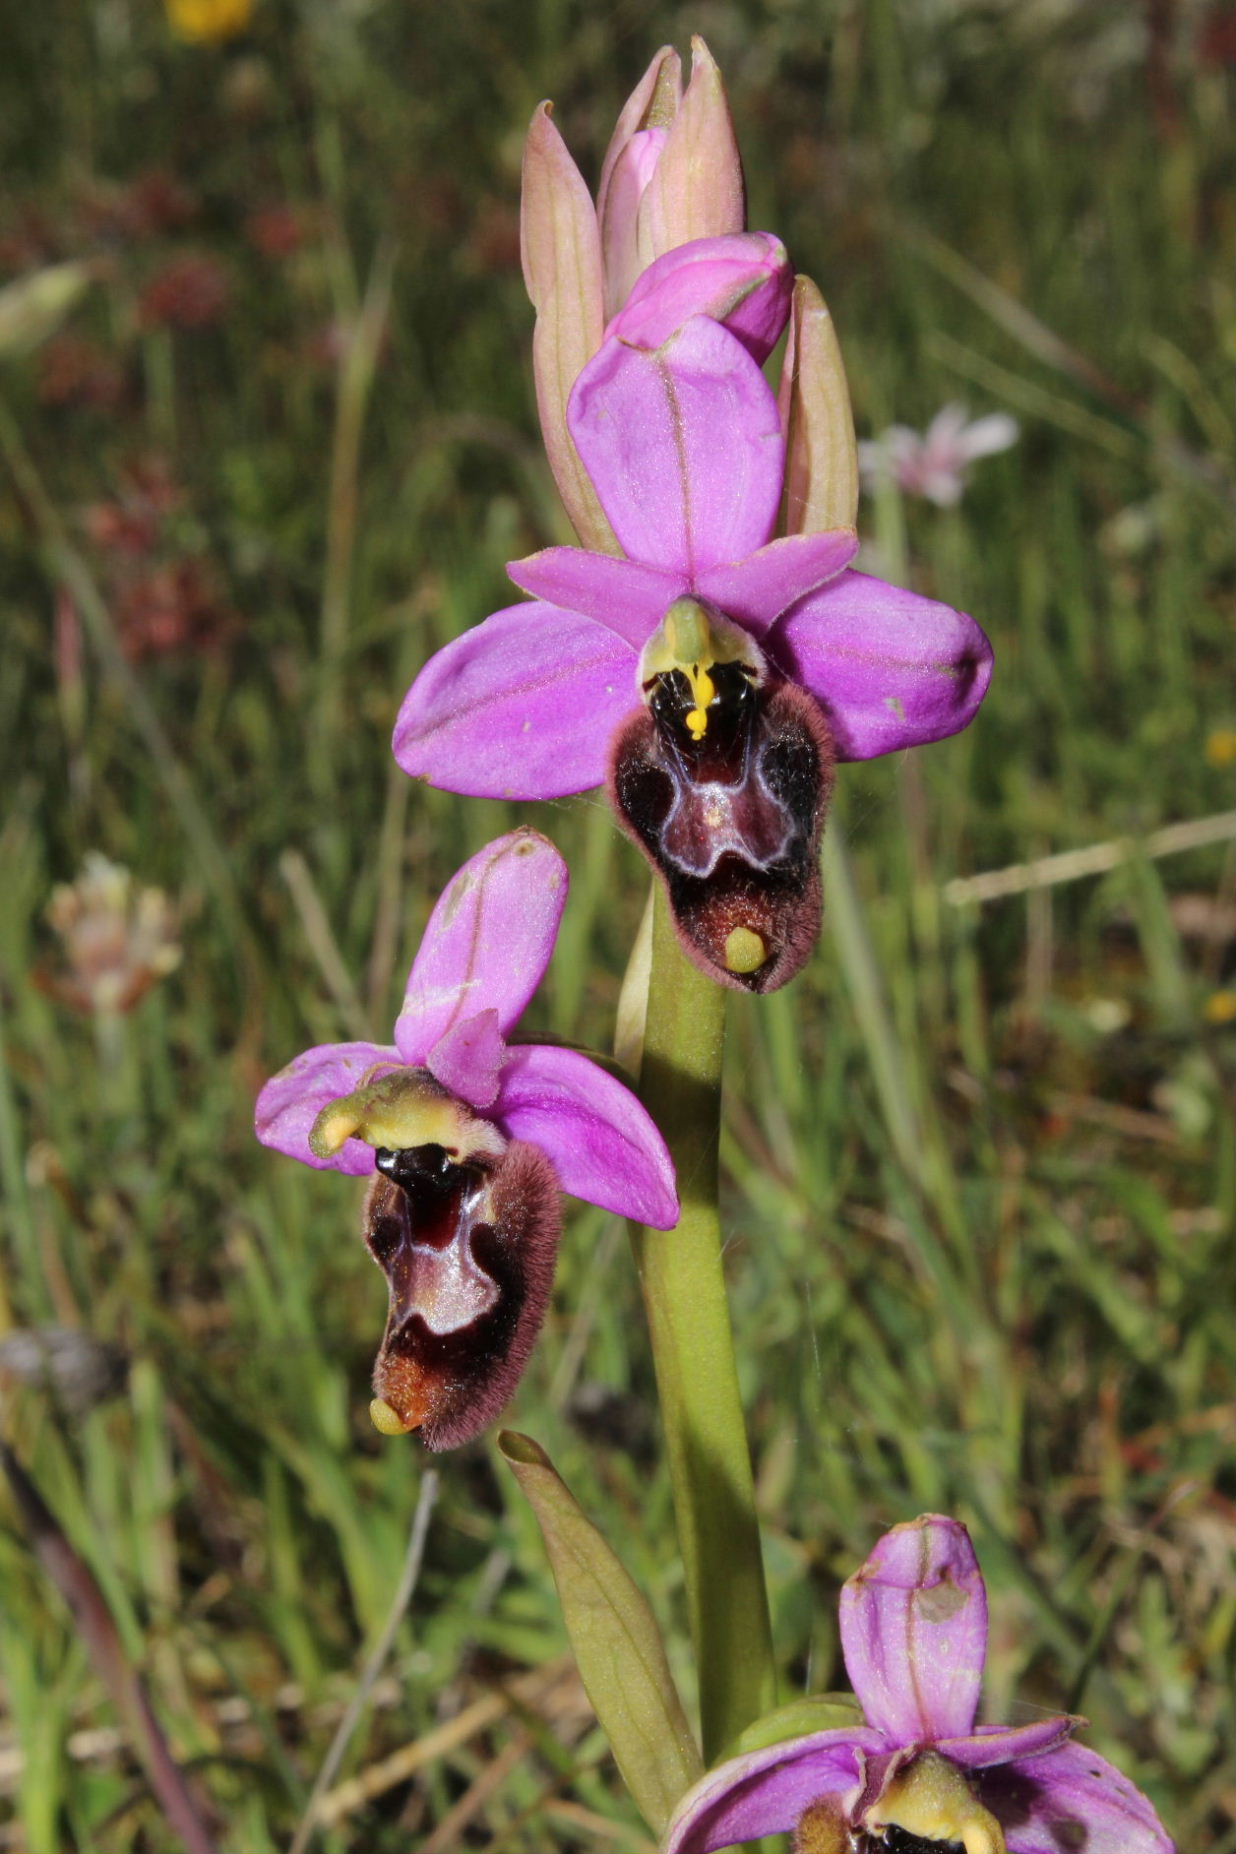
(980, 1239)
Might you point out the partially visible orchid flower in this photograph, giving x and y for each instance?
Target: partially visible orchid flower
(917, 1774)
(468, 1140)
(712, 675)
(936, 464)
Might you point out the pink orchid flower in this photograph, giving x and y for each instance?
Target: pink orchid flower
(936, 464)
(916, 1774)
(468, 1140)
(710, 674)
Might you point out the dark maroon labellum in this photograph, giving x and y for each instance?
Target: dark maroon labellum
(468, 1251)
(731, 820)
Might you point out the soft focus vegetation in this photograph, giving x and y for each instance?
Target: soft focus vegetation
(276, 453)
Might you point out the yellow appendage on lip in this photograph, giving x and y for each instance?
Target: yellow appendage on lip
(744, 951)
(387, 1421)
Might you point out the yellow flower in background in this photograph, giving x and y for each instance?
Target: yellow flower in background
(1221, 1007)
(1221, 748)
(208, 22)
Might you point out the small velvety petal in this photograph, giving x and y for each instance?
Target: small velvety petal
(627, 598)
(889, 669)
(483, 954)
(744, 281)
(292, 1100)
(603, 1145)
(522, 706)
(766, 1792)
(468, 1059)
(914, 1632)
(758, 589)
(1072, 1799)
(1003, 1744)
(684, 447)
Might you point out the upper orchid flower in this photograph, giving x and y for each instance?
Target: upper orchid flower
(713, 674)
(918, 1775)
(936, 464)
(469, 1140)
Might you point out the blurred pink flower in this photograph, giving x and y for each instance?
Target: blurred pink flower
(189, 292)
(936, 464)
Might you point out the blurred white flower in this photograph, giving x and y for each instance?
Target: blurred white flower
(935, 463)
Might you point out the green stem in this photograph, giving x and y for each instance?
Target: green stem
(697, 1378)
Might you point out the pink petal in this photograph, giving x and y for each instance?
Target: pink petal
(766, 1792)
(483, 953)
(914, 1632)
(755, 591)
(683, 445)
(626, 598)
(1004, 1744)
(619, 218)
(292, 1100)
(603, 1145)
(1072, 1799)
(468, 1059)
(744, 281)
(638, 149)
(522, 706)
(889, 669)
(988, 435)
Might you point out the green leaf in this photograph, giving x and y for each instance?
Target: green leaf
(34, 306)
(820, 1712)
(616, 1641)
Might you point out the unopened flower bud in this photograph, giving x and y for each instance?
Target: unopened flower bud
(744, 280)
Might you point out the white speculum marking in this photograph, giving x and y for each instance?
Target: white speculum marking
(447, 1287)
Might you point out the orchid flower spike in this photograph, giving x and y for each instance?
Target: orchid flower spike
(936, 464)
(468, 1141)
(712, 676)
(917, 1774)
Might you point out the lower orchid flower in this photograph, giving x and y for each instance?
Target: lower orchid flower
(712, 676)
(468, 1140)
(917, 1776)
